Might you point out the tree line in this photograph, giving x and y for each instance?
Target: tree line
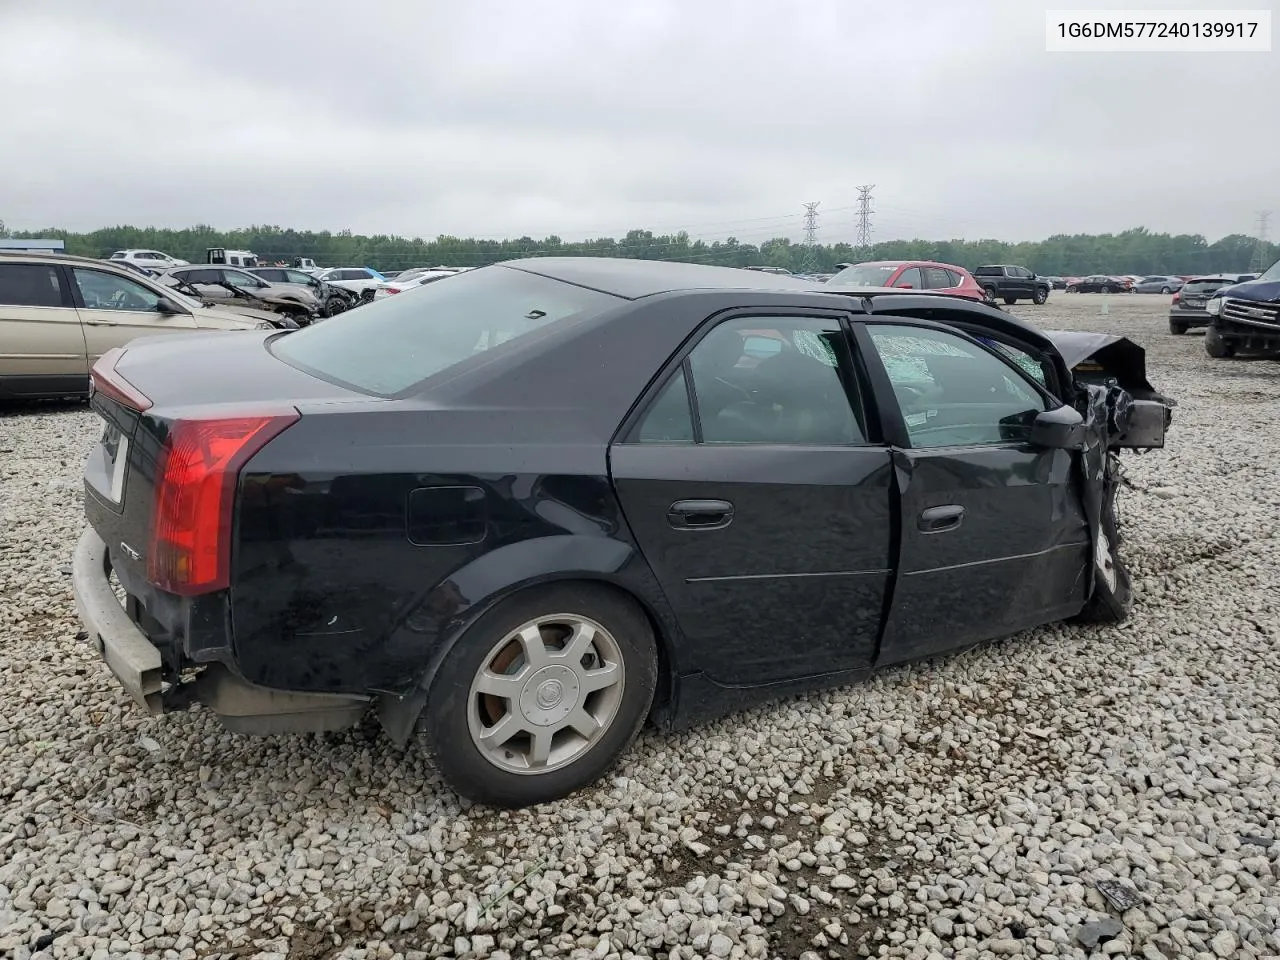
(1136, 251)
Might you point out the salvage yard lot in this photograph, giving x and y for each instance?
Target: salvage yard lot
(963, 807)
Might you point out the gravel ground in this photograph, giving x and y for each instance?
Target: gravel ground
(974, 806)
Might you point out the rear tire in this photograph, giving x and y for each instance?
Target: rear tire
(460, 717)
(1072, 289)
(1177, 327)
(1112, 599)
(1215, 346)
(1166, 290)
(1010, 300)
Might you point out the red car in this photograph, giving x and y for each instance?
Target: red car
(911, 275)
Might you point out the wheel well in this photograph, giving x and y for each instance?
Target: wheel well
(400, 715)
(662, 640)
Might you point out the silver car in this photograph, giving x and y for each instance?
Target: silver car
(1158, 284)
(219, 284)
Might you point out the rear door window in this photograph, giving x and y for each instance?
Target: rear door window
(910, 278)
(939, 279)
(29, 285)
(766, 380)
(199, 276)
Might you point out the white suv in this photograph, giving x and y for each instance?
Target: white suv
(149, 259)
(355, 279)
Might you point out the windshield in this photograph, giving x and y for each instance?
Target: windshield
(389, 347)
(865, 275)
(1272, 273)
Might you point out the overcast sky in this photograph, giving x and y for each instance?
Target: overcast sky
(588, 117)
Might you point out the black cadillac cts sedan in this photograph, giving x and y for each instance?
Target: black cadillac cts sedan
(521, 511)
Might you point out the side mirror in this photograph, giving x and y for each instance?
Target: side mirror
(168, 307)
(1058, 429)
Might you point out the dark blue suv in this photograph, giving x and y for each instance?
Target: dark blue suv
(1245, 317)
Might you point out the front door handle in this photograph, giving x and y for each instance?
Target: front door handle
(700, 514)
(940, 519)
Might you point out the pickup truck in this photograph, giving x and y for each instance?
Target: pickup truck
(1012, 283)
(1245, 316)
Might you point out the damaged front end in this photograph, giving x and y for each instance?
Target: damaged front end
(1113, 392)
(1122, 411)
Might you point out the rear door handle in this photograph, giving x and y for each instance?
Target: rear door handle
(940, 519)
(700, 514)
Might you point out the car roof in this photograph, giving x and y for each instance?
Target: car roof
(67, 258)
(633, 279)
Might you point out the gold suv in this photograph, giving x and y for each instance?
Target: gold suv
(59, 314)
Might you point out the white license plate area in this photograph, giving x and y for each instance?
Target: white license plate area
(110, 459)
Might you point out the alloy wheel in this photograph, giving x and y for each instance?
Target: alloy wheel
(545, 694)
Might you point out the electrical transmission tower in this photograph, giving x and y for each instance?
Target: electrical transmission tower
(1260, 248)
(809, 262)
(863, 240)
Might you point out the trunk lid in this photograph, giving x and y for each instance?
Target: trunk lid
(217, 368)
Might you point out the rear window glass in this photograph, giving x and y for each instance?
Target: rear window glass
(388, 347)
(1205, 286)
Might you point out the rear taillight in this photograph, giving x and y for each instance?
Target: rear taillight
(106, 380)
(393, 289)
(199, 464)
(1176, 297)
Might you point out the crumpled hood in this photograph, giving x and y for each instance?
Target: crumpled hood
(1262, 291)
(1078, 345)
(1092, 356)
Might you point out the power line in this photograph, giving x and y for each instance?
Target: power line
(809, 262)
(863, 241)
(1260, 248)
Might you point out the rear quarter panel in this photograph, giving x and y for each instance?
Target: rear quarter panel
(330, 593)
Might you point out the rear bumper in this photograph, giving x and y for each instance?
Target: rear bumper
(1190, 318)
(136, 662)
(133, 659)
